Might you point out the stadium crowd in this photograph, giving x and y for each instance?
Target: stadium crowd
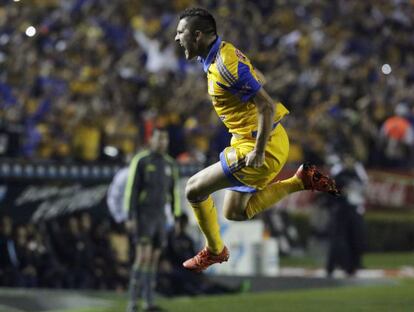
(68, 252)
(94, 74)
(80, 251)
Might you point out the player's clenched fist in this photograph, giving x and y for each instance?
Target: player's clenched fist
(255, 159)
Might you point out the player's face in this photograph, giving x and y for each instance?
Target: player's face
(186, 39)
(159, 141)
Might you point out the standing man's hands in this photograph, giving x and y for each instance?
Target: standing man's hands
(130, 226)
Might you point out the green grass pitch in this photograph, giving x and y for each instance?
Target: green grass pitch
(398, 296)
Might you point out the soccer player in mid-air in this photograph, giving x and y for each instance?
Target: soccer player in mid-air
(259, 146)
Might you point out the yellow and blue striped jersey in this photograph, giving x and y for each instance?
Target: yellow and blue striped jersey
(232, 85)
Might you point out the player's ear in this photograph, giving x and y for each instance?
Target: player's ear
(197, 35)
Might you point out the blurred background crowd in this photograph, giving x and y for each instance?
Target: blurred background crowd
(86, 80)
(81, 251)
(73, 252)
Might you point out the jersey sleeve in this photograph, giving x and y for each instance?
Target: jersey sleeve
(133, 185)
(237, 73)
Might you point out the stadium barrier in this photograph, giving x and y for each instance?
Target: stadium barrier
(385, 232)
(36, 191)
(40, 191)
(385, 190)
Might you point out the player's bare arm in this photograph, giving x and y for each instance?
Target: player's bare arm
(261, 76)
(265, 110)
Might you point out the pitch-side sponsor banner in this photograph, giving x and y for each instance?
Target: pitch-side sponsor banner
(35, 201)
(41, 199)
(385, 190)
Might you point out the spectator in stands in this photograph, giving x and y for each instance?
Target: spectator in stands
(51, 272)
(99, 61)
(82, 252)
(397, 134)
(9, 263)
(109, 272)
(346, 225)
(28, 275)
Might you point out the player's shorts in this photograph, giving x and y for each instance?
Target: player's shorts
(151, 230)
(249, 179)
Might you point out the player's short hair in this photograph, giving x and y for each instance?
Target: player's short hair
(200, 19)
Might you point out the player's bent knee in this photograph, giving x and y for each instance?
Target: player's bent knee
(235, 215)
(192, 190)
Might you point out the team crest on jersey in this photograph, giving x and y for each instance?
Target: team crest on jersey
(150, 168)
(240, 55)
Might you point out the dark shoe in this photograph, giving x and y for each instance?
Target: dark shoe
(132, 308)
(154, 308)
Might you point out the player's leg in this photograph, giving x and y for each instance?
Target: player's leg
(198, 190)
(272, 194)
(205, 182)
(150, 280)
(307, 177)
(142, 258)
(159, 240)
(239, 206)
(234, 205)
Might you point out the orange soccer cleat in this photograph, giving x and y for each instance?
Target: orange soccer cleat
(314, 180)
(205, 258)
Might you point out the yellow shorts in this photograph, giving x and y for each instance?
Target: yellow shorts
(249, 179)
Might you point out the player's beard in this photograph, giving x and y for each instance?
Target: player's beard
(186, 53)
(189, 52)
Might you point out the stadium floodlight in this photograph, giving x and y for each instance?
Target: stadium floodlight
(4, 39)
(16, 0)
(61, 45)
(111, 151)
(386, 69)
(30, 31)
